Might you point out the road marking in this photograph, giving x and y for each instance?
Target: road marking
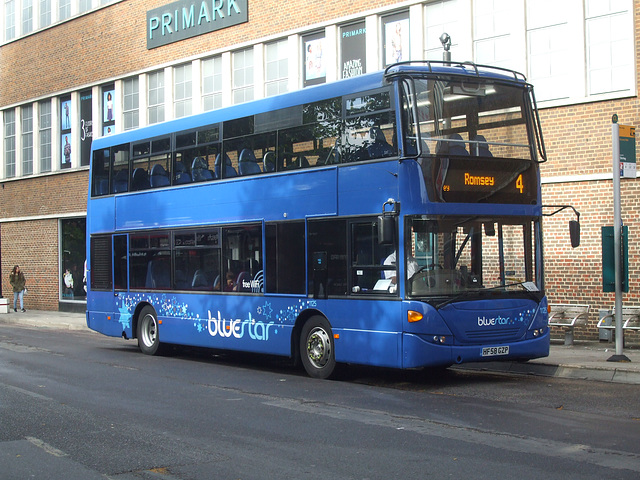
(487, 438)
(46, 447)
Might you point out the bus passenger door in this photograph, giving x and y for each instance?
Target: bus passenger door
(121, 276)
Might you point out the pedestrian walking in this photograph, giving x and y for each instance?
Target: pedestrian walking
(18, 282)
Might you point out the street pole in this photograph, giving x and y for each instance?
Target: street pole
(617, 243)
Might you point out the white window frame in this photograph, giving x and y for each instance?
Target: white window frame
(182, 90)
(131, 103)
(155, 108)
(26, 139)
(45, 135)
(276, 67)
(242, 76)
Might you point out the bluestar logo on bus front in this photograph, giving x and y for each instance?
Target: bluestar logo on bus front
(523, 317)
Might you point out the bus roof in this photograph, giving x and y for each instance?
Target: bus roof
(467, 69)
(309, 94)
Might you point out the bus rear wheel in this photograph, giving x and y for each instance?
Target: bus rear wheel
(317, 348)
(148, 339)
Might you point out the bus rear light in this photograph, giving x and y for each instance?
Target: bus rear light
(413, 316)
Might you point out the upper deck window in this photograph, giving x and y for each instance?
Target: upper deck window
(474, 139)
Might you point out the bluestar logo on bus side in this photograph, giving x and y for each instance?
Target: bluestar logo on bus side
(258, 325)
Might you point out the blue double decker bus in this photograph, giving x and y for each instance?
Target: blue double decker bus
(393, 219)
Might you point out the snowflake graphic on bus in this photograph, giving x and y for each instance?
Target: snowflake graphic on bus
(258, 324)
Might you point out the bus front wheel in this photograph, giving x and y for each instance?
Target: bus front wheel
(317, 348)
(148, 339)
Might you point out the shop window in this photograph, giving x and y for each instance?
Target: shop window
(66, 122)
(313, 56)
(353, 49)
(396, 39)
(73, 254)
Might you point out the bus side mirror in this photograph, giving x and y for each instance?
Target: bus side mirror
(386, 229)
(574, 233)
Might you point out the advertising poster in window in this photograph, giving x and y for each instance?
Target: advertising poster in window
(108, 117)
(86, 126)
(315, 70)
(65, 130)
(353, 47)
(396, 39)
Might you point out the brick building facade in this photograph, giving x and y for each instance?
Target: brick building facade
(57, 57)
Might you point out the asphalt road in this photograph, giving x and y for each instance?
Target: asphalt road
(78, 405)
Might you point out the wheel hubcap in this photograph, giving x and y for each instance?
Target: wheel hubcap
(149, 330)
(318, 347)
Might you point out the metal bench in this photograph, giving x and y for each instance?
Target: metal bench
(568, 316)
(630, 319)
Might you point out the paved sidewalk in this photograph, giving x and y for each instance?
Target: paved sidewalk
(583, 360)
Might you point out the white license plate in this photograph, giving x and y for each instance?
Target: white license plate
(494, 351)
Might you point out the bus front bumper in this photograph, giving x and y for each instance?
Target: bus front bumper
(419, 352)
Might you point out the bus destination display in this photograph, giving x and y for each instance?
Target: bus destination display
(498, 182)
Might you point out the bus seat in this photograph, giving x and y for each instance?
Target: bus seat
(228, 171)
(453, 146)
(140, 179)
(121, 181)
(101, 186)
(380, 148)
(456, 146)
(481, 147)
(181, 176)
(269, 161)
(159, 177)
(247, 163)
(216, 283)
(180, 280)
(200, 170)
(199, 280)
(158, 275)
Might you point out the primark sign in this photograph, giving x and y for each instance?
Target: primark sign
(189, 18)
